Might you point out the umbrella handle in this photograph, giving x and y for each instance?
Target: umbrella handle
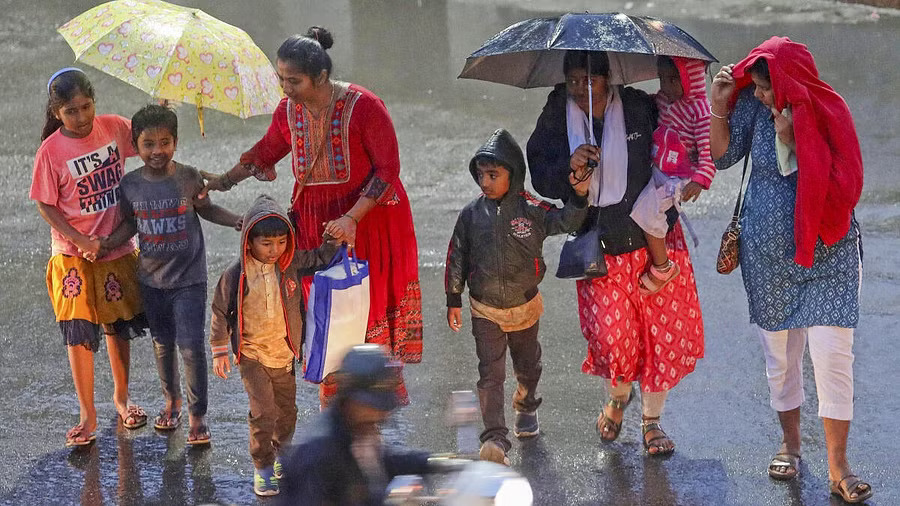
(200, 113)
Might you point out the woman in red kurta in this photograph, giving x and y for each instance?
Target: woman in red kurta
(346, 166)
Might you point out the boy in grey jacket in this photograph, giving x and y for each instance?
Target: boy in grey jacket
(257, 312)
(496, 249)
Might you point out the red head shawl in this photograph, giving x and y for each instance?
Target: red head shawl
(830, 170)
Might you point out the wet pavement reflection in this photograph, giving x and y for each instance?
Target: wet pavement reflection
(409, 52)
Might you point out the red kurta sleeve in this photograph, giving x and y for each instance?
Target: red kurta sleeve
(273, 146)
(380, 143)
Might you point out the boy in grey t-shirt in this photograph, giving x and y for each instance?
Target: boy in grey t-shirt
(159, 202)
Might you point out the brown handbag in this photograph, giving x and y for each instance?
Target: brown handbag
(729, 249)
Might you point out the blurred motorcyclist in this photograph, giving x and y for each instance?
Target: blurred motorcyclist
(341, 459)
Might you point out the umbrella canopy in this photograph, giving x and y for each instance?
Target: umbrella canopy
(530, 53)
(176, 53)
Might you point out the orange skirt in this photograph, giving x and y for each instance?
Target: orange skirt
(97, 292)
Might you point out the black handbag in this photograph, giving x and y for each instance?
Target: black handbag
(582, 255)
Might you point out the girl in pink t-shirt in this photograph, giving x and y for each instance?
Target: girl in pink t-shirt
(76, 187)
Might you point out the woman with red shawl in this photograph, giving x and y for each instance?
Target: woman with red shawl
(346, 165)
(800, 250)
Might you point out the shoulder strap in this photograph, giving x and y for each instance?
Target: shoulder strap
(737, 205)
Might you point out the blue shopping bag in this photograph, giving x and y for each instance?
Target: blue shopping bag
(337, 313)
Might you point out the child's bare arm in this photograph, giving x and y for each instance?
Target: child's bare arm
(219, 215)
(122, 233)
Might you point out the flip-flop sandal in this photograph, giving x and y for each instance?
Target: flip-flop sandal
(199, 436)
(789, 460)
(135, 413)
(164, 420)
(76, 432)
(647, 427)
(850, 484)
(605, 421)
(650, 283)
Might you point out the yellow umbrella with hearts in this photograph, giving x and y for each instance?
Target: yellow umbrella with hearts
(176, 53)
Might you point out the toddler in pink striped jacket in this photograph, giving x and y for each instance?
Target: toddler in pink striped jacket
(682, 166)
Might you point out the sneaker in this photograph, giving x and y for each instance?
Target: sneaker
(492, 451)
(264, 482)
(526, 424)
(278, 471)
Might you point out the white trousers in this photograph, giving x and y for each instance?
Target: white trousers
(831, 350)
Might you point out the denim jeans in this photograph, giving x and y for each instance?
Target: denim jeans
(177, 316)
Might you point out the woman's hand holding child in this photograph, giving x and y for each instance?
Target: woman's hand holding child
(342, 229)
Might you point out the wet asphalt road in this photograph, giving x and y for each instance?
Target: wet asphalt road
(718, 416)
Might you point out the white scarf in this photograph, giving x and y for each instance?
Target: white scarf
(610, 178)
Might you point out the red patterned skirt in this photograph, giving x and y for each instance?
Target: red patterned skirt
(386, 239)
(655, 340)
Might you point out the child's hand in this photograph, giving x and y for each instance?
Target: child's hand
(343, 229)
(691, 191)
(221, 366)
(454, 318)
(89, 247)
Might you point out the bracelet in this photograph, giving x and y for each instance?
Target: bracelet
(227, 183)
(714, 115)
(355, 221)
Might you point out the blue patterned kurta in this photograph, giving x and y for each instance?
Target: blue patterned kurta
(782, 294)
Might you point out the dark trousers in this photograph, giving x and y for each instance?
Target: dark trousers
(490, 345)
(273, 409)
(177, 318)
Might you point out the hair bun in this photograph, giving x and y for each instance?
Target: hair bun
(322, 35)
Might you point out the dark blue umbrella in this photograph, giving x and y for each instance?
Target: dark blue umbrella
(529, 54)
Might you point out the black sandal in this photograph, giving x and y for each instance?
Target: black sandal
(783, 459)
(606, 421)
(651, 424)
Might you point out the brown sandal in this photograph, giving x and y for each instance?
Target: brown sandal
(604, 421)
(77, 436)
(136, 415)
(648, 425)
(851, 484)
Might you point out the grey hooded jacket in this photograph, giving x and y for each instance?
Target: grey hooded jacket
(227, 317)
